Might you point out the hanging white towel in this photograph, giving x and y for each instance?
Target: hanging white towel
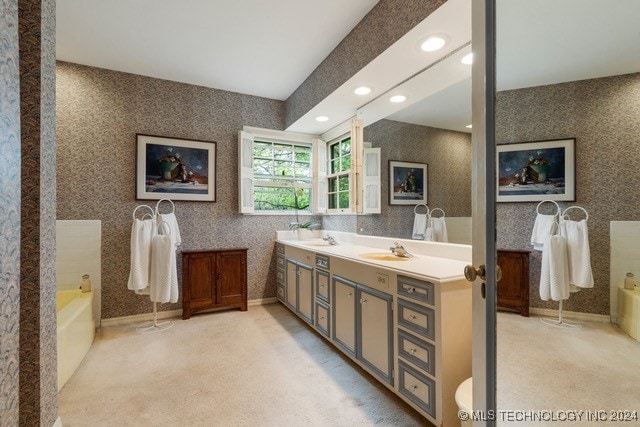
(439, 227)
(543, 227)
(419, 226)
(576, 234)
(174, 230)
(164, 276)
(142, 233)
(554, 274)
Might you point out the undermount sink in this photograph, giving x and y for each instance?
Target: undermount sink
(383, 256)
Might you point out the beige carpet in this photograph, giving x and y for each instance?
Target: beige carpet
(545, 368)
(263, 367)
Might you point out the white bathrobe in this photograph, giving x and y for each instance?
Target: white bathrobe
(142, 233)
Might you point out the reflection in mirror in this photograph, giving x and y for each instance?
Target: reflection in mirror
(579, 78)
(432, 131)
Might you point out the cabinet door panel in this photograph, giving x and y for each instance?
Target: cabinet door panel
(292, 288)
(201, 273)
(230, 277)
(344, 314)
(305, 293)
(375, 339)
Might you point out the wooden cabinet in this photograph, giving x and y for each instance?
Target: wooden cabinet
(362, 325)
(513, 288)
(215, 278)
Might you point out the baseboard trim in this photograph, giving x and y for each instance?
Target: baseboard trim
(262, 301)
(576, 315)
(145, 317)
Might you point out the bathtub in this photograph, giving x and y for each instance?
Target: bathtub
(76, 331)
(629, 311)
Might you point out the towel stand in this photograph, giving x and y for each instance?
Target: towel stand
(415, 210)
(154, 325)
(436, 209)
(560, 322)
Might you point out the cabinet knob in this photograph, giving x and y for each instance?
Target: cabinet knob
(349, 294)
(321, 286)
(321, 317)
(411, 290)
(413, 350)
(412, 316)
(414, 387)
(218, 275)
(363, 300)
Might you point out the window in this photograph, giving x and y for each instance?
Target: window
(339, 176)
(282, 176)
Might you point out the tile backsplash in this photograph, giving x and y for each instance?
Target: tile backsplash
(625, 257)
(78, 252)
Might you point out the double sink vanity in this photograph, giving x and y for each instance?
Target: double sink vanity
(405, 319)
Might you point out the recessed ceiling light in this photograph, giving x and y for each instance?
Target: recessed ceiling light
(467, 59)
(398, 98)
(362, 90)
(322, 118)
(433, 43)
(468, 126)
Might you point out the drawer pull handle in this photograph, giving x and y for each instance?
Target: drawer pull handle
(412, 316)
(413, 350)
(321, 317)
(414, 387)
(349, 294)
(411, 290)
(363, 300)
(321, 286)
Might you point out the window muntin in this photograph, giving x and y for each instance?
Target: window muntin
(282, 176)
(339, 177)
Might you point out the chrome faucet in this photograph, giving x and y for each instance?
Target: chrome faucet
(330, 240)
(398, 250)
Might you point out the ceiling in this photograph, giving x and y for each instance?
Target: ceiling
(256, 47)
(269, 48)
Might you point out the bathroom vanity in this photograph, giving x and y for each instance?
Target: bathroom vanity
(406, 321)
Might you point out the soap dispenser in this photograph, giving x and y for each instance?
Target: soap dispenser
(85, 285)
(629, 281)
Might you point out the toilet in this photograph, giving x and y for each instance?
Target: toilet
(464, 400)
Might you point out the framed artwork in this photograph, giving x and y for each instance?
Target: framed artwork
(177, 169)
(536, 171)
(407, 183)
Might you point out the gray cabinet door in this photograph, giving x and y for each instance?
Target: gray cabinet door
(375, 339)
(292, 285)
(344, 314)
(305, 292)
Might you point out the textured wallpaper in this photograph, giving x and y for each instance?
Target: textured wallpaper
(99, 113)
(9, 213)
(604, 117)
(380, 28)
(38, 380)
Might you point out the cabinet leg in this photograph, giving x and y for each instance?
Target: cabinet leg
(243, 306)
(524, 311)
(186, 314)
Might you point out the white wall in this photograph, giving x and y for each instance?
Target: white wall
(625, 257)
(78, 252)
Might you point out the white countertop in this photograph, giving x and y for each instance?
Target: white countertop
(423, 263)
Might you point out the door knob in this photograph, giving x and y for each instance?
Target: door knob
(471, 273)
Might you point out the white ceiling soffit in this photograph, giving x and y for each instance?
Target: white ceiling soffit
(399, 62)
(257, 47)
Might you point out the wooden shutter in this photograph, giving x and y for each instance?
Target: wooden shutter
(371, 181)
(320, 176)
(245, 172)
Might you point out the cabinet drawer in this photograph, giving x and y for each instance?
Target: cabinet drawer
(322, 261)
(280, 248)
(280, 261)
(416, 289)
(322, 318)
(280, 276)
(419, 352)
(280, 294)
(417, 318)
(322, 285)
(418, 388)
